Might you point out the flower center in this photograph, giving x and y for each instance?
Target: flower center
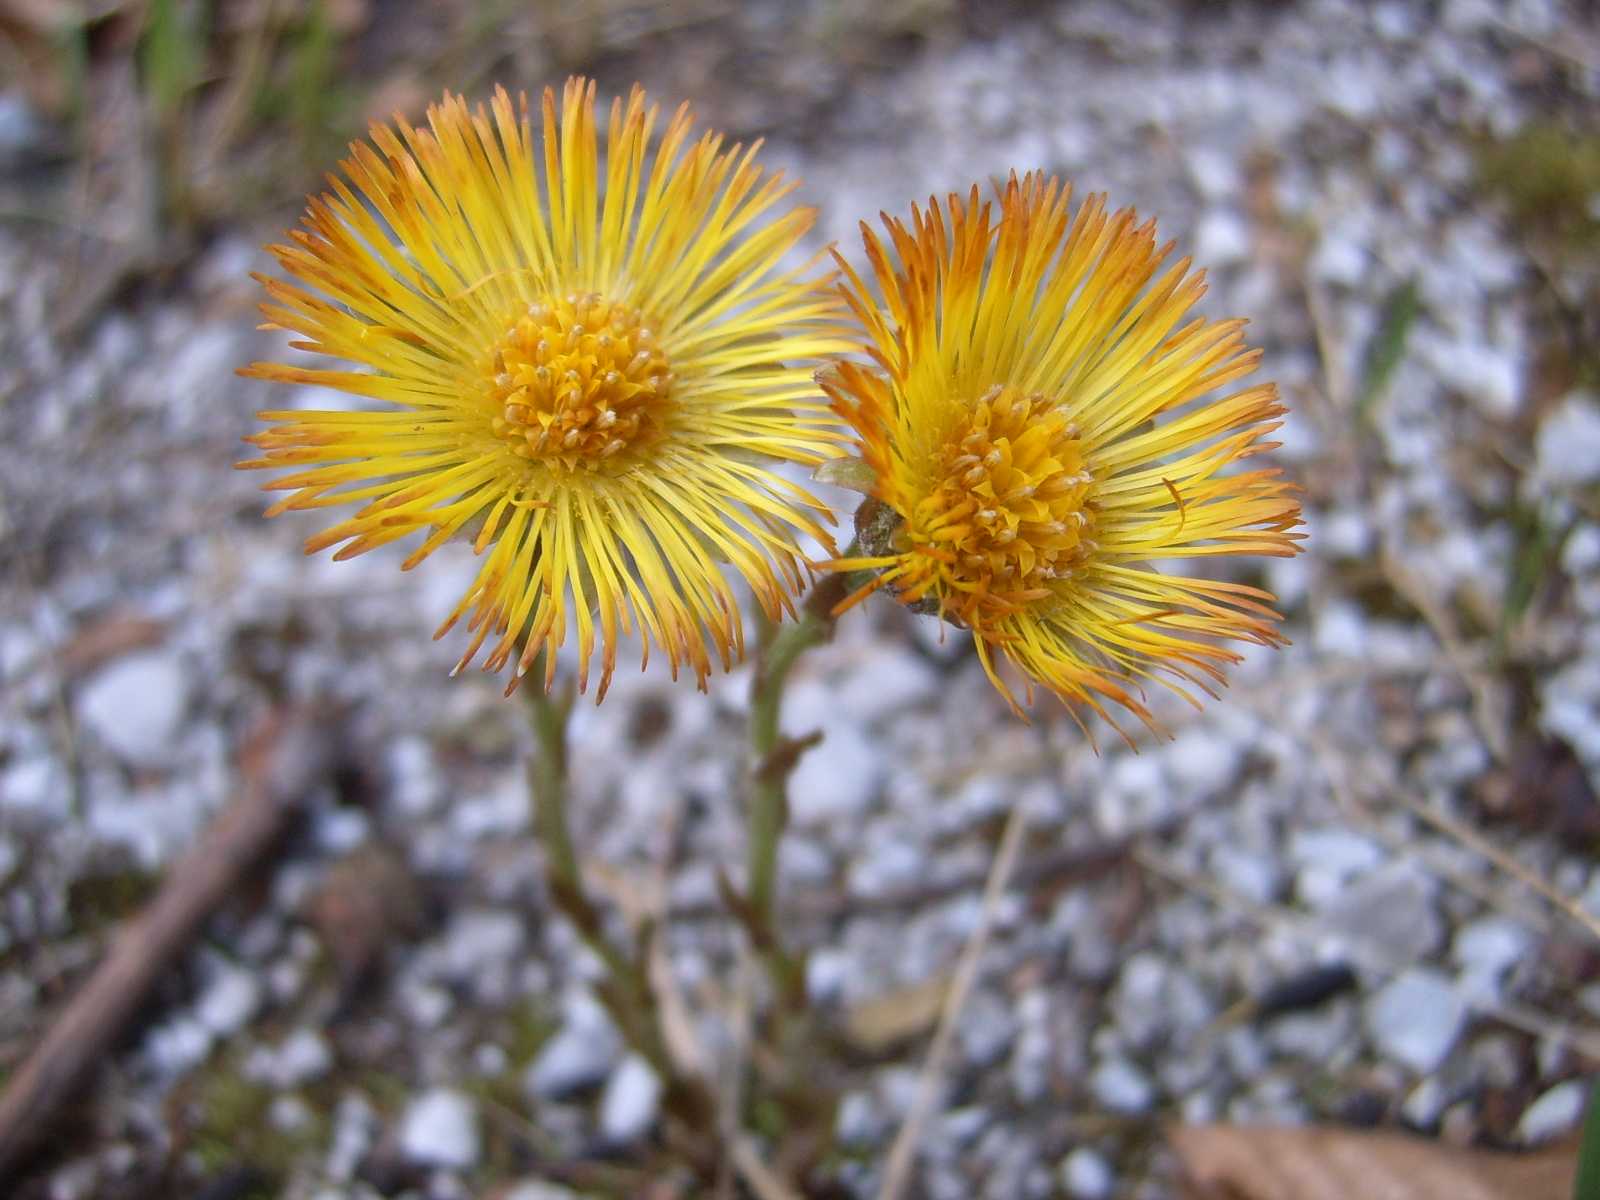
(575, 382)
(1010, 512)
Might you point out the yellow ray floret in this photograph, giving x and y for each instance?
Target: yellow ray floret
(589, 366)
(1041, 424)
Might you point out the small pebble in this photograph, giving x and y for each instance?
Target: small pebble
(440, 1128)
(630, 1101)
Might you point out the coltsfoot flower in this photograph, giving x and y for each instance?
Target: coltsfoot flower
(594, 378)
(1039, 423)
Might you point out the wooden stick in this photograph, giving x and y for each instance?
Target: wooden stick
(897, 1172)
(280, 766)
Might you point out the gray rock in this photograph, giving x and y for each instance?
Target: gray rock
(1553, 1113)
(1139, 1000)
(135, 706)
(1391, 912)
(630, 1102)
(1416, 1018)
(440, 1129)
(1312, 1036)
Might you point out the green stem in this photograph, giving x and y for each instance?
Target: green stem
(774, 758)
(627, 994)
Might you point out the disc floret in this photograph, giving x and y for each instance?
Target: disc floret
(576, 381)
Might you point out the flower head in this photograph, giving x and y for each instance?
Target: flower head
(588, 377)
(1039, 423)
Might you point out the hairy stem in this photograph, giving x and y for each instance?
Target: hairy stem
(626, 993)
(774, 758)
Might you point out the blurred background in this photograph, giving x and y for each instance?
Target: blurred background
(1360, 890)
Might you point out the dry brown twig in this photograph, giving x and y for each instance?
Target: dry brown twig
(898, 1169)
(280, 768)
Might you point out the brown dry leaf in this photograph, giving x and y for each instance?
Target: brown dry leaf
(1233, 1162)
(109, 637)
(877, 1026)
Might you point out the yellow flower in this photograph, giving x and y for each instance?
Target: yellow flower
(1039, 425)
(586, 376)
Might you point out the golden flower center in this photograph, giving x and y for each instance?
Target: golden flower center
(577, 381)
(1010, 512)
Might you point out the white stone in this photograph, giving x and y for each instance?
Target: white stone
(885, 682)
(1422, 1107)
(1215, 174)
(629, 1104)
(1312, 1036)
(440, 1128)
(178, 1046)
(338, 830)
(229, 1001)
(479, 940)
(289, 1114)
(1416, 1018)
(827, 972)
(1253, 876)
(302, 1057)
(1334, 849)
(1340, 630)
(1488, 948)
(1489, 376)
(1122, 1087)
(1339, 259)
(425, 1005)
(135, 706)
(580, 1054)
(1202, 761)
(1085, 1175)
(837, 778)
(538, 1189)
(1553, 1113)
(859, 1122)
(37, 785)
(502, 812)
(1568, 444)
(1222, 239)
(355, 1124)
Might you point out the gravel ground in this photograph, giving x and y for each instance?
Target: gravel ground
(1304, 939)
